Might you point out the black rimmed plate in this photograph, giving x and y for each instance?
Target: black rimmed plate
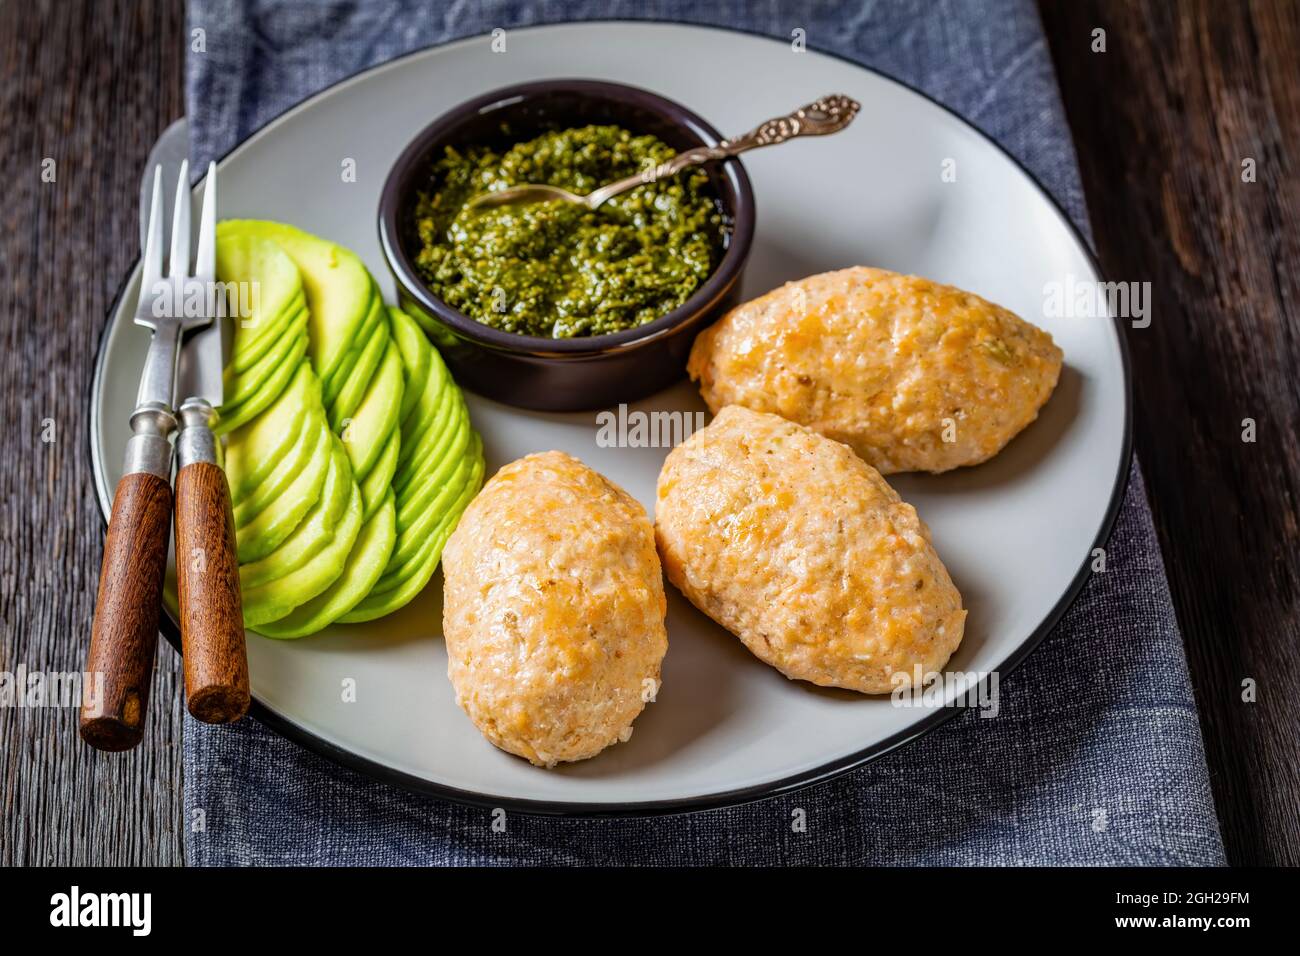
(1016, 533)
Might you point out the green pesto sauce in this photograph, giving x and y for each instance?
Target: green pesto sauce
(555, 269)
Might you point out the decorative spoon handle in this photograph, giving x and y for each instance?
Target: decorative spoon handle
(830, 114)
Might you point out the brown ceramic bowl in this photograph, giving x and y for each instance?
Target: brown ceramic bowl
(563, 374)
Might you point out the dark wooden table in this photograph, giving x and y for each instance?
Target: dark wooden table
(1163, 120)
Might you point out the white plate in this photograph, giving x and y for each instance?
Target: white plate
(1016, 533)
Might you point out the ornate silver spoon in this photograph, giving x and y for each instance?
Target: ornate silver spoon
(830, 114)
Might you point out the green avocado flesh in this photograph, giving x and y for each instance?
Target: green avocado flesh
(264, 532)
(268, 282)
(353, 386)
(343, 373)
(275, 599)
(286, 350)
(379, 482)
(366, 432)
(314, 531)
(365, 564)
(309, 441)
(396, 588)
(337, 286)
(345, 437)
(253, 451)
(560, 270)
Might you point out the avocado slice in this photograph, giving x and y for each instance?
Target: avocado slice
(354, 389)
(254, 450)
(250, 344)
(267, 393)
(412, 542)
(274, 599)
(256, 264)
(429, 501)
(313, 533)
(288, 348)
(380, 480)
(264, 533)
(365, 564)
(413, 500)
(376, 417)
(417, 573)
(417, 357)
(372, 321)
(290, 467)
(447, 436)
(337, 285)
(426, 415)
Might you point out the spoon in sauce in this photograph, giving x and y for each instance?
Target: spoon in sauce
(830, 114)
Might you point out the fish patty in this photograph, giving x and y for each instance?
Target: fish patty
(910, 374)
(553, 610)
(803, 551)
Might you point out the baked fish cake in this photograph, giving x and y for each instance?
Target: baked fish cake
(553, 610)
(802, 550)
(910, 374)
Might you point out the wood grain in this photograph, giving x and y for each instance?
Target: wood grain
(124, 634)
(207, 579)
(1163, 122)
(89, 86)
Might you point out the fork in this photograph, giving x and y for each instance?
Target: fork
(124, 635)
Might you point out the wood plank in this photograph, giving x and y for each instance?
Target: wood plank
(90, 86)
(1163, 121)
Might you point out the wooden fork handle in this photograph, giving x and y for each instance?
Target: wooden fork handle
(124, 636)
(207, 577)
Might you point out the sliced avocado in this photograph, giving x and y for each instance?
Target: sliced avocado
(349, 398)
(374, 319)
(232, 416)
(290, 347)
(366, 431)
(365, 564)
(251, 344)
(418, 572)
(274, 599)
(254, 450)
(412, 543)
(290, 467)
(267, 282)
(417, 357)
(338, 287)
(429, 503)
(413, 500)
(379, 482)
(438, 389)
(313, 533)
(448, 436)
(264, 533)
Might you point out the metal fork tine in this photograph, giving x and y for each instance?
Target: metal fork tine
(205, 263)
(179, 263)
(151, 272)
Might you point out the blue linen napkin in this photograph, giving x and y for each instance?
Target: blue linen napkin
(1096, 756)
